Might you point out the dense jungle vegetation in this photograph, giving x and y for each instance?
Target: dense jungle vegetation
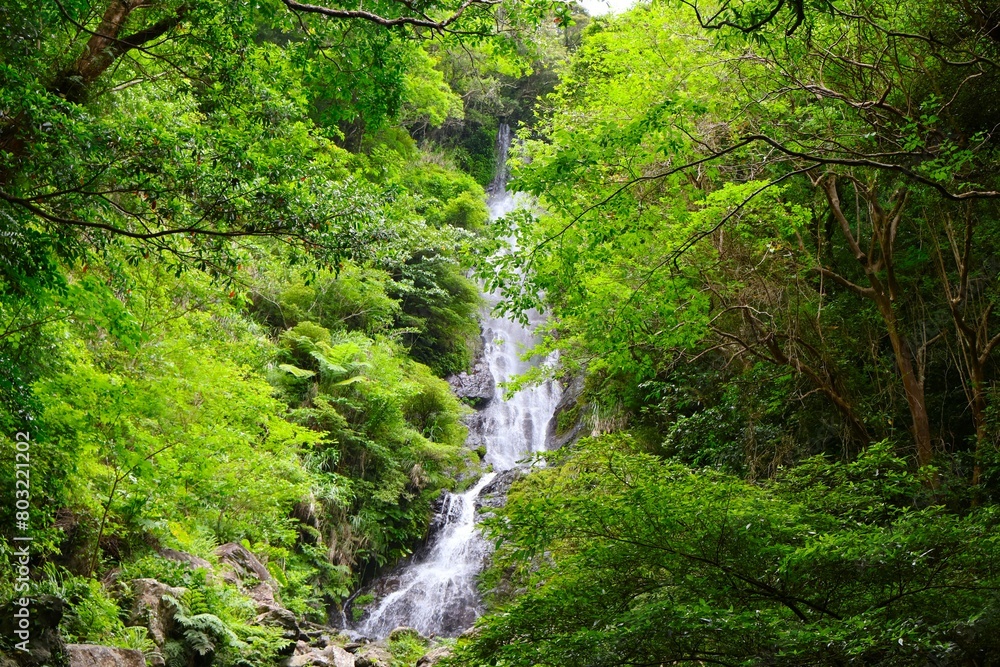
(235, 253)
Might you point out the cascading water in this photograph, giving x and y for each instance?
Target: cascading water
(436, 592)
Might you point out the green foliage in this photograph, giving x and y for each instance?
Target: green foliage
(391, 431)
(708, 288)
(406, 648)
(621, 556)
(447, 197)
(358, 606)
(440, 312)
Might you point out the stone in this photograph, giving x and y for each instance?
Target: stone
(494, 494)
(153, 612)
(331, 656)
(434, 656)
(372, 655)
(477, 388)
(192, 561)
(568, 404)
(243, 563)
(246, 571)
(279, 617)
(92, 655)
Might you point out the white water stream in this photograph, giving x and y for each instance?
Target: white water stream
(436, 592)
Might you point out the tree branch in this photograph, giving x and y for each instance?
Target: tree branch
(414, 21)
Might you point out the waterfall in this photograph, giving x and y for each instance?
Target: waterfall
(497, 188)
(436, 592)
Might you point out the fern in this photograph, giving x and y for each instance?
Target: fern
(204, 633)
(135, 637)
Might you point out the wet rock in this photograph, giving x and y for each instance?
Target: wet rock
(152, 610)
(331, 656)
(92, 655)
(569, 411)
(478, 387)
(372, 655)
(478, 426)
(446, 510)
(494, 494)
(434, 657)
(45, 646)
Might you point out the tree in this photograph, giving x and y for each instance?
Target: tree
(858, 144)
(179, 128)
(616, 557)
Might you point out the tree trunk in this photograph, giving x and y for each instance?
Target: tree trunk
(882, 293)
(101, 50)
(913, 385)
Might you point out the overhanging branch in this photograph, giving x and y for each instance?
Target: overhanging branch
(421, 21)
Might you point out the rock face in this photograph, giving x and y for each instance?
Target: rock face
(151, 610)
(494, 494)
(90, 655)
(569, 402)
(478, 387)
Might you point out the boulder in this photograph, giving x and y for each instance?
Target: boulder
(331, 656)
(372, 655)
(434, 657)
(246, 571)
(192, 561)
(243, 563)
(279, 617)
(153, 612)
(403, 632)
(92, 655)
(477, 387)
(319, 635)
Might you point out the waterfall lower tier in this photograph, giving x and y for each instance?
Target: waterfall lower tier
(436, 593)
